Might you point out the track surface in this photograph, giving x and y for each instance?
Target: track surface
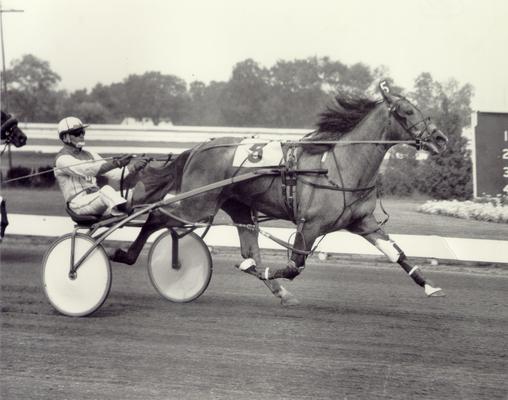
(361, 332)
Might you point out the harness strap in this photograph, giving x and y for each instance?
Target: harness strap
(289, 180)
(122, 181)
(335, 186)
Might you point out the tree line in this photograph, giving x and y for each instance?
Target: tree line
(288, 94)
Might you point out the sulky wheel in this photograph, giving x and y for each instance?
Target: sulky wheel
(82, 294)
(190, 277)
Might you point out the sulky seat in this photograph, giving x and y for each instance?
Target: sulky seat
(86, 220)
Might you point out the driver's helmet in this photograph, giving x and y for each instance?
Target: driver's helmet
(69, 125)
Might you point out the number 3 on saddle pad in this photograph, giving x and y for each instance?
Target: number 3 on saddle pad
(255, 153)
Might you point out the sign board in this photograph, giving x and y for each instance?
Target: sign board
(490, 153)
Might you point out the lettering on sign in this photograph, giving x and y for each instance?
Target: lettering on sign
(505, 157)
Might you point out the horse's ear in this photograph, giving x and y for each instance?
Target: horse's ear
(385, 90)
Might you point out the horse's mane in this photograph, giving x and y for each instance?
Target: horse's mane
(339, 118)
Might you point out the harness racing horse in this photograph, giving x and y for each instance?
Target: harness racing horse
(10, 131)
(351, 141)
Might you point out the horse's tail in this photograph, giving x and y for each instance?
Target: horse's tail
(178, 168)
(159, 181)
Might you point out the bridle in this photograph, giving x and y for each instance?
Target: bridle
(6, 132)
(423, 134)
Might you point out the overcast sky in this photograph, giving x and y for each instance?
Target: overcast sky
(92, 41)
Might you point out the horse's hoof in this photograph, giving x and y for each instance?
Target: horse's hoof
(289, 301)
(431, 291)
(286, 297)
(438, 293)
(113, 254)
(119, 256)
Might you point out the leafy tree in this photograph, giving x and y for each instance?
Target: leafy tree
(206, 104)
(244, 95)
(31, 89)
(446, 175)
(112, 98)
(357, 79)
(331, 74)
(156, 96)
(398, 177)
(93, 112)
(296, 95)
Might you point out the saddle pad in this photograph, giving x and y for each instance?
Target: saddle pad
(255, 153)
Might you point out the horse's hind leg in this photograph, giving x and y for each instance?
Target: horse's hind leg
(252, 260)
(240, 214)
(369, 229)
(305, 236)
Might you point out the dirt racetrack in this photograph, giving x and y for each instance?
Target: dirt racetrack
(362, 331)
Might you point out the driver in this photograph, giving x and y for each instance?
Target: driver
(77, 178)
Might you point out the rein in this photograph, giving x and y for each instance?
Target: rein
(5, 148)
(50, 170)
(57, 169)
(300, 143)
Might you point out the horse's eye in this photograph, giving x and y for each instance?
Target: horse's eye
(409, 111)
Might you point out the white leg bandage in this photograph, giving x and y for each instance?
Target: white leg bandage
(413, 270)
(246, 264)
(432, 291)
(388, 248)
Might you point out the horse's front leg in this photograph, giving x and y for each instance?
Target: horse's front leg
(368, 228)
(154, 222)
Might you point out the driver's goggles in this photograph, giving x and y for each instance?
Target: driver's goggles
(78, 132)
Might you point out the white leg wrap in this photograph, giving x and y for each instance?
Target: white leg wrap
(267, 273)
(413, 270)
(246, 264)
(430, 290)
(387, 248)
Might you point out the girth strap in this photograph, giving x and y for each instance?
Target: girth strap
(289, 180)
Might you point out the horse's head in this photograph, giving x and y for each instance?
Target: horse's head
(10, 131)
(408, 122)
